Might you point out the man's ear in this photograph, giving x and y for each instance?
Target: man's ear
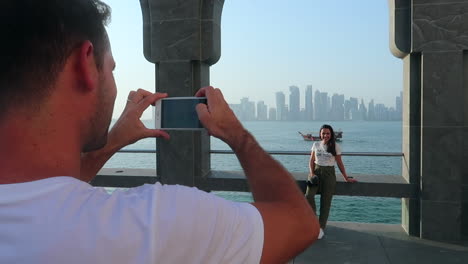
(87, 69)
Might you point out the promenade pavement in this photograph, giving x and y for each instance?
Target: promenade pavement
(353, 243)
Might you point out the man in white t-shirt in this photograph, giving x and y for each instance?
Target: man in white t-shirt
(57, 93)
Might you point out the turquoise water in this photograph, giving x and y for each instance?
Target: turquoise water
(357, 137)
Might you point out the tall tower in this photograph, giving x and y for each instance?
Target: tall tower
(321, 105)
(309, 106)
(247, 109)
(317, 105)
(354, 113)
(337, 107)
(294, 103)
(363, 110)
(280, 106)
(398, 106)
(272, 114)
(262, 111)
(371, 111)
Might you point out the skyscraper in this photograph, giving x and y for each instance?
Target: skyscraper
(399, 107)
(354, 109)
(294, 101)
(363, 110)
(247, 109)
(371, 111)
(337, 107)
(321, 106)
(261, 111)
(280, 106)
(272, 114)
(381, 112)
(309, 106)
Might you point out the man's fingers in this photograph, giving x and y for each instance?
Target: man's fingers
(161, 133)
(203, 114)
(131, 94)
(157, 133)
(217, 92)
(202, 91)
(137, 96)
(140, 95)
(214, 98)
(159, 96)
(150, 100)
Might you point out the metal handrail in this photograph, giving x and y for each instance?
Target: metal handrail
(279, 152)
(149, 151)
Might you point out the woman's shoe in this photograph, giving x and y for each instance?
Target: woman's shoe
(321, 234)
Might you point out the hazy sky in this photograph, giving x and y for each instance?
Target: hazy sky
(337, 46)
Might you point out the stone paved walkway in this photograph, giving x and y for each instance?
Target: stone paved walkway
(350, 243)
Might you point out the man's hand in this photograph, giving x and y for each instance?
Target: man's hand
(128, 129)
(218, 118)
(289, 223)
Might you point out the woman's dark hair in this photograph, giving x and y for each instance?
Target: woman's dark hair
(331, 144)
(38, 36)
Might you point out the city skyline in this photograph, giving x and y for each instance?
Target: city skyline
(319, 106)
(268, 45)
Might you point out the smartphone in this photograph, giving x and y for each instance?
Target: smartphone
(178, 113)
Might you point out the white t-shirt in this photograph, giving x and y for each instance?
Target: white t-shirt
(322, 157)
(64, 220)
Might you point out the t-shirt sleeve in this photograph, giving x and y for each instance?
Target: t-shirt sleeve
(338, 149)
(314, 147)
(192, 226)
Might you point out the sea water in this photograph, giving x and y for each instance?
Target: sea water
(358, 136)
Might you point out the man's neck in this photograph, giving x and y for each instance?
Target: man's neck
(33, 150)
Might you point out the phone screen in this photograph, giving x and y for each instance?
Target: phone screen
(180, 113)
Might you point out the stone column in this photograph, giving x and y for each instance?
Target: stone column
(400, 42)
(182, 38)
(435, 115)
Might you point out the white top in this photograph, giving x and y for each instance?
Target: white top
(64, 220)
(322, 157)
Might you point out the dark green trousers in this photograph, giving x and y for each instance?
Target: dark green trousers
(326, 186)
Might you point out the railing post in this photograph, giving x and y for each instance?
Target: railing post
(183, 39)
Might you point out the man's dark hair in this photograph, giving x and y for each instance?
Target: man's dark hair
(37, 38)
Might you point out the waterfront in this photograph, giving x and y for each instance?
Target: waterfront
(357, 137)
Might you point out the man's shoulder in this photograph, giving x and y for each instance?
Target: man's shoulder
(168, 212)
(45, 185)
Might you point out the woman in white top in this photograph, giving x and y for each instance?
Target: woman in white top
(324, 155)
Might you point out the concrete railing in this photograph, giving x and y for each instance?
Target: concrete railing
(367, 185)
(278, 152)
